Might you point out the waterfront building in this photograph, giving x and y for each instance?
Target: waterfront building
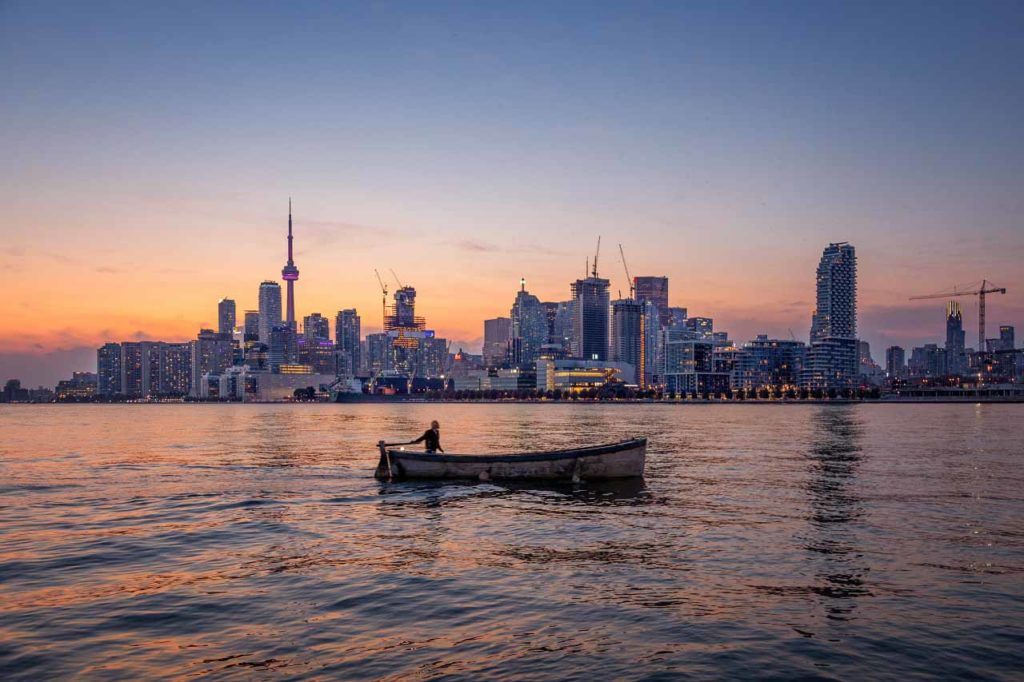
(689, 365)
(378, 353)
(347, 334)
(226, 316)
(251, 328)
(140, 369)
(529, 328)
(832, 359)
(270, 309)
(108, 369)
(575, 375)
(835, 312)
(81, 386)
(562, 327)
(175, 369)
(590, 321)
(627, 337)
(768, 363)
(956, 357)
(655, 290)
(895, 362)
(497, 333)
(652, 350)
(508, 379)
(14, 393)
(212, 353)
(290, 274)
(316, 327)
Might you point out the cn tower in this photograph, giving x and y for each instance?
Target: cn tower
(290, 273)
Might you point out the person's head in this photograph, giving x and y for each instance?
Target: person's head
(435, 425)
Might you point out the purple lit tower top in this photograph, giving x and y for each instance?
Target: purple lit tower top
(290, 273)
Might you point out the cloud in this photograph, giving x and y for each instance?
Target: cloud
(477, 246)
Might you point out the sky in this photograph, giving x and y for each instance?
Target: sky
(148, 151)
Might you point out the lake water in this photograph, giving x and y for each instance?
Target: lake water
(230, 541)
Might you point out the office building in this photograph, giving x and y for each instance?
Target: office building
(655, 290)
(283, 347)
(316, 327)
(956, 357)
(529, 328)
(347, 334)
(251, 326)
(212, 353)
(627, 337)
(928, 361)
(895, 362)
(497, 333)
(318, 354)
(270, 309)
(226, 316)
(590, 318)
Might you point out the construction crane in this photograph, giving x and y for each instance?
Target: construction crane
(400, 285)
(629, 278)
(596, 254)
(384, 299)
(985, 287)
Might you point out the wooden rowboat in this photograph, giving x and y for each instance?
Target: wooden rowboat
(616, 460)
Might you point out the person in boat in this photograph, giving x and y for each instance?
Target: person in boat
(431, 438)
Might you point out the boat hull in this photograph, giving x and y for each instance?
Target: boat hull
(614, 461)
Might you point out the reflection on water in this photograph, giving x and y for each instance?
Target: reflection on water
(797, 541)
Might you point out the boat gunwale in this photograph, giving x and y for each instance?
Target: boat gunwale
(544, 456)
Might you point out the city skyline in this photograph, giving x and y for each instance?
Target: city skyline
(725, 166)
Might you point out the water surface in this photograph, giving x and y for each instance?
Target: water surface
(173, 541)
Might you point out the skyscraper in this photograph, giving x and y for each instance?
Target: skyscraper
(347, 334)
(252, 326)
(655, 290)
(108, 369)
(529, 329)
(290, 274)
(212, 353)
(270, 309)
(316, 326)
(226, 316)
(627, 342)
(1006, 337)
(590, 322)
(835, 315)
(895, 362)
(832, 359)
(956, 359)
(496, 337)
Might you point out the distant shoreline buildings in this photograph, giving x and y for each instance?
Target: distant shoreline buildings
(585, 344)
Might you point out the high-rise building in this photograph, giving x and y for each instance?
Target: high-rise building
(108, 369)
(832, 359)
(175, 369)
(283, 347)
(251, 330)
(677, 318)
(627, 337)
(497, 333)
(768, 363)
(1006, 337)
(318, 354)
(590, 321)
(928, 361)
(316, 326)
(835, 314)
(529, 328)
(270, 309)
(212, 353)
(956, 358)
(347, 334)
(895, 362)
(140, 369)
(562, 327)
(226, 316)
(652, 348)
(703, 328)
(290, 274)
(378, 353)
(655, 290)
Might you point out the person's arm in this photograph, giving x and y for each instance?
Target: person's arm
(420, 439)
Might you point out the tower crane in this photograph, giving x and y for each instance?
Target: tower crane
(384, 299)
(596, 254)
(400, 285)
(629, 278)
(985, 287)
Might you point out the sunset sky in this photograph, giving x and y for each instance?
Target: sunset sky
(149, 151)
